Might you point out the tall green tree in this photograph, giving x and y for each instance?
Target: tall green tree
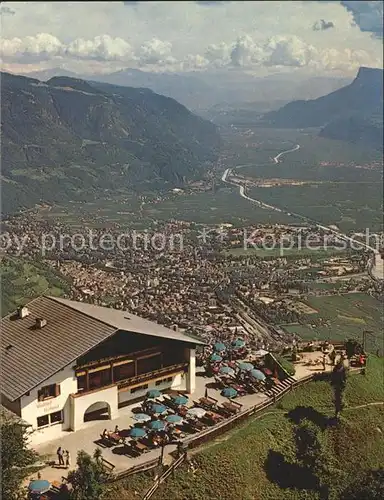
(86, 480)
(15, 456)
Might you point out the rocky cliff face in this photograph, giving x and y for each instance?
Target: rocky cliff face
(68, 138)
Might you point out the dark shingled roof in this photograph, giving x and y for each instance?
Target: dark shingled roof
(30, 355)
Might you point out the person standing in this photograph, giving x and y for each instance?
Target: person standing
(67, 459)
(60, 455)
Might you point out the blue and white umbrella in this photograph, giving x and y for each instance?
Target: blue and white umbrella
(174, 419)
(157, 409)
(142, 417)
(257, 374)
(153, 393)
(245, 367)
(39, 486)
(196, 412)
(137, 432)
(229, 392)
(227, 370)
(215, 358)
(238, 343)
(219, 347)
(156, 425)
(180, 400)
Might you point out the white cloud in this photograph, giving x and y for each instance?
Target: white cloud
(218, 54)
(254, 36)
(42, 46)
(155, 51)
(288, 51)
(102, 47)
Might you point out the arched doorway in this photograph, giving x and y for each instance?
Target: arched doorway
(98, 411)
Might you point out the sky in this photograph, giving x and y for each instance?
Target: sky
(254, 37)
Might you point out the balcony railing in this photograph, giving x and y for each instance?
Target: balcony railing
(139, 379)
(145, 377)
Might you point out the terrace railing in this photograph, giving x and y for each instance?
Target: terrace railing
(216, 430)
(153, 374)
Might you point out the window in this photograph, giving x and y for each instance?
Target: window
(99, 379)
(149, 364)
(123, 372)
(81, 383)
(56, 417)
(48, 391)
(53, 418)
(164, 381)
(139, 388)
(42, 421)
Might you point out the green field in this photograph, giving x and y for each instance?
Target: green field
(223, 206)
(22, 281)
(265, 144)
(339, 191)
(239, 465)
(352, 206)
(347, 315)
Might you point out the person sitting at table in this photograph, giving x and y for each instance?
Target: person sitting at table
(105, 434)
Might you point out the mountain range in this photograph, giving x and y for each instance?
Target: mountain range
(352, 113)
(199, 91)
(69, 139)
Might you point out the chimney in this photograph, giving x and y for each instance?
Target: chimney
(23, 312)
(40, 323)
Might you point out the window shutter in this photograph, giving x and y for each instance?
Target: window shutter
(57, 390)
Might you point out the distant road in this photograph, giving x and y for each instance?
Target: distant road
(376, 266)
(276, 158)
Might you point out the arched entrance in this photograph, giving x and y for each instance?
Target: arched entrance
(98, 411)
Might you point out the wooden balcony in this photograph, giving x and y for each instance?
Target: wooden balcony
(153, 376)
(143, 378)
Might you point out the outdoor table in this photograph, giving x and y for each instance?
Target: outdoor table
(141, 446)
(230, 407)
(115, 437)
(207, 402)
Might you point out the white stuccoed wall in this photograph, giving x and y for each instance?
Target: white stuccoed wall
(81, 404)
(190, 356)
(31, 408)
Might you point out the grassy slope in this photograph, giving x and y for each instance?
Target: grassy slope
(234, 468)
(22, 281)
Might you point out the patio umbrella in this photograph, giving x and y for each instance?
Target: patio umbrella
(157, 408)
(229, 392)
(245, 367)
(180, 400)
(215, 358)
(137, 432)
(174, 419)
(196, 412)
(153, 393)
(226, 370)
(142, 417)
(238, 343)
(219, 347)
(257, 374)
(39, 486)
(156, 425)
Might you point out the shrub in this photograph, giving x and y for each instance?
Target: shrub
(287, 365)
